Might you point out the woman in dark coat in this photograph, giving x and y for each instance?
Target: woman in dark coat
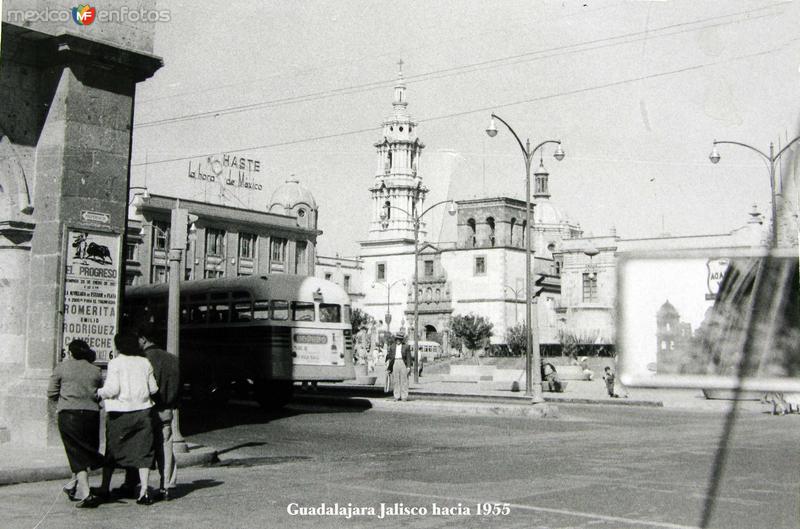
(74, 385)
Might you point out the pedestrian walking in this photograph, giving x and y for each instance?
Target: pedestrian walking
(166, 371)
(74, 385)
(399, 365)
(127, 392)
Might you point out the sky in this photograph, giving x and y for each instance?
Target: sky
(635, 90)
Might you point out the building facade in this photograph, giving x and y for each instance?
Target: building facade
(345, 272)
(482, 271)
(588, 267)
(224, 241)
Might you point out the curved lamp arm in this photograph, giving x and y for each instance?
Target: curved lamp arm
(519, 141)
(746, 146)
(433, 206)
(398, 209)
(542, 144)
(417, 217)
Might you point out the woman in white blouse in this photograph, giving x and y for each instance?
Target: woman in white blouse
(127, 399)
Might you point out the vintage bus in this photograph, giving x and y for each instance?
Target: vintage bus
(259, 334)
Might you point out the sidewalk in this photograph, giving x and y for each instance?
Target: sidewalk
(19, 464)
(577, 392)
(23, 464)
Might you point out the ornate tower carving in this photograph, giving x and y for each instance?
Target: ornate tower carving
(397, 191)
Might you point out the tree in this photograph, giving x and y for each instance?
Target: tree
(359, 317)
(473, 330)
(517, 339)
(580, 343)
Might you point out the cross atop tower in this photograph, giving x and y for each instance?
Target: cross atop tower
(400, 90)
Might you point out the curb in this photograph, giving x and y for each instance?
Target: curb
(444, 406)
(370, 391)
(197, 456)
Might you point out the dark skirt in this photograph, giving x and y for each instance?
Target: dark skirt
(80, 433)
(129, 439)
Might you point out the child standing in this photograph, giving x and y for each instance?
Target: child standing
(608, 377)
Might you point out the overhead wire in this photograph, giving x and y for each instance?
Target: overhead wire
(531, 56)
(356, 60)
(470, 111)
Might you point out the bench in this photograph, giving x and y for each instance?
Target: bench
(546, 386)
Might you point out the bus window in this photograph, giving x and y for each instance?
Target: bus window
(217, 296)
(197, 314)
(241, 295)
(261, 310)
(185, 314)
(158, 311)
(218, 313)
(302, 311)
(242, 312)
(330, 313)
(346, 313)
(280, 310)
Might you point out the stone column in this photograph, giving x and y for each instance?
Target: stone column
(81, 144)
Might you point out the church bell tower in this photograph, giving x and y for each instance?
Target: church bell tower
(397, 191)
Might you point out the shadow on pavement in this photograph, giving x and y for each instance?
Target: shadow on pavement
(197, 419)
(184, 489)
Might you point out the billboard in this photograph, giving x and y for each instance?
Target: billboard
(91, 290)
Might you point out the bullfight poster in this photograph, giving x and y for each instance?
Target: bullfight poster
(91, 290)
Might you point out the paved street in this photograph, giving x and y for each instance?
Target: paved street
(596, 466)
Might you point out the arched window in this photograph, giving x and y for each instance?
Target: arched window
(471, 237)
(387, 209)
(438, 296)
(524, 231)
(511, 231)
(389, 160)
(490, 223)
(428, 294)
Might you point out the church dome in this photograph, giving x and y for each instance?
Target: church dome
(291, 194)
(545, 212)
(667, 310)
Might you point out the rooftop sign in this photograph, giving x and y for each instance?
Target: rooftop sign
(229, 169)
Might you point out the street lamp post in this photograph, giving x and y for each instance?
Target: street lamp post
(415, 218)
(771, 160)
(533, 378)
(180, 231)
(388, 298)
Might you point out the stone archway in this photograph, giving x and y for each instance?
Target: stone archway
(430, 333)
